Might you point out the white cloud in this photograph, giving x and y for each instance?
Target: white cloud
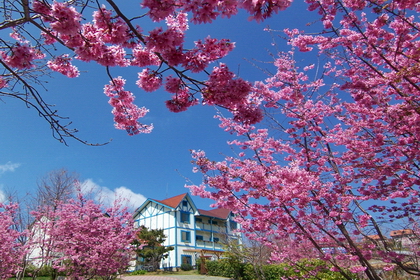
(108, 197)
(2, 196)
(9, 166)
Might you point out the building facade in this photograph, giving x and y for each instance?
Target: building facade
(193, 232)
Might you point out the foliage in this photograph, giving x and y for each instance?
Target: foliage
(61, 32)
(186, 267)
(340, 131)
(43, 271)
(11, 251)
(305, 269)
(220, 268)
(253, 253)
(84, 240)
(138, 272)
(149, 246)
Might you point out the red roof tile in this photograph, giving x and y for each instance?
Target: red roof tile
(401, 232)
(173, 201)
(220, 213)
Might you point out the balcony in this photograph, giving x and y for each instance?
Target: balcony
(209, 244)
(210, 227)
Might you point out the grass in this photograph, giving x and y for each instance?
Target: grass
(181, 272)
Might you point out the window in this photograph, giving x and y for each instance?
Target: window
(233, 225)
(215, 239)
(186, 259)
(199, 220)
(199, 237)
(185, 236)
(185, 217)
(184, 203)
(213, 222)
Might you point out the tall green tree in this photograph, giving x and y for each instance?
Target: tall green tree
(153, 250)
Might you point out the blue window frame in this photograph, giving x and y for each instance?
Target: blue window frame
(215, 239)
(185, 217)
(185, 236)
(186, 259)
(199, 237)
(184, 203)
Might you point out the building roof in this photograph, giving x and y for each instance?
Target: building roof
(401, 232)
(172, 202)
(220, 213)
(374, 237)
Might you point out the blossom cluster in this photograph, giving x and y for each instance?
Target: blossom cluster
(347, 136)
(82, 239)
(126, 114)
(10, 249)
(112, 41)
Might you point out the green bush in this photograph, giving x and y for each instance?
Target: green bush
(138, 272)
(220, 268)
(44, 271)
(198, 264)
(186, 267)
(305, 269)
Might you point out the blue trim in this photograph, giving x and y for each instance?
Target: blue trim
(141, 211)
(191, 202)
(188, 257)
(176, 240)
(187, 236)
(154, 215)
(183, 220)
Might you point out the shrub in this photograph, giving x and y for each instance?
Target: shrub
(305, 269)
(44, 271)
(220, 268)
(198, 264)
(186, 267)
(138, 272)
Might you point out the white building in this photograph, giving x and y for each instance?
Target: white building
(192, 232)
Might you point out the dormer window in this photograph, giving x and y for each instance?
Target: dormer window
(185, 217)
(184, 203)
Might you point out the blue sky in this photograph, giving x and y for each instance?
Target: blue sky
(156, 165)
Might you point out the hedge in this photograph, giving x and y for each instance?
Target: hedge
(306, 269)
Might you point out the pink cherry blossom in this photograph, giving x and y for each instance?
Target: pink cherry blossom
(63, 65)
(66, 20)
(180, 101)
(21, 56)
(143, 57)
(149, 81)
(3, 83)
(86, 240)
(126, 114)
(11, 251)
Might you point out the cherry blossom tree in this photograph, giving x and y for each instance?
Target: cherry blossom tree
(342, 137)
(11, 251)
(339, 153)
(48, 36)
(86, 240)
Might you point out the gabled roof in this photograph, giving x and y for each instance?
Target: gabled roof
(220, 213)
(172, 202)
